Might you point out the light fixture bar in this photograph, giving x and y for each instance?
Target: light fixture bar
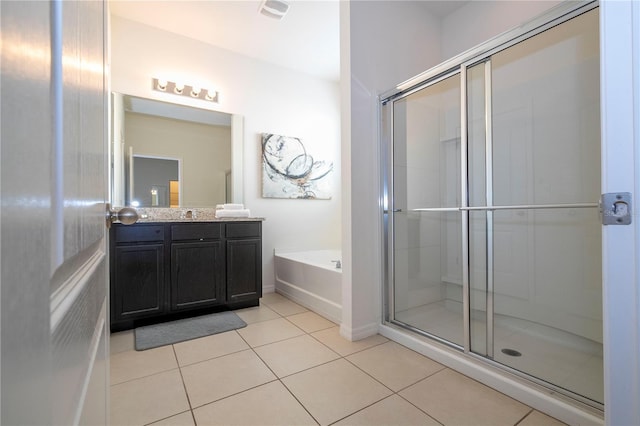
(180, 89)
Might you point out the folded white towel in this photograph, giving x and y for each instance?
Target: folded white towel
(233, 206)
(233, 213)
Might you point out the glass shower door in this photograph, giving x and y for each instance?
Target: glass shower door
(540, 238)
(427, 252)
(494, 227)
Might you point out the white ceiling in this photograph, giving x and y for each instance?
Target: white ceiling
(306, 39)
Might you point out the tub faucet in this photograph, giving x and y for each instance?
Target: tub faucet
(338, 264)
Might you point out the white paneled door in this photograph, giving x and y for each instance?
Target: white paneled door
(54, 364)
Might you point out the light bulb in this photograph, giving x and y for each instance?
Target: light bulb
(162, 85)
(179, 88)
(195, 91)
(211, 94)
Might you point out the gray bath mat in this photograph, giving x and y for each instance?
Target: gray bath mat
(153, 336)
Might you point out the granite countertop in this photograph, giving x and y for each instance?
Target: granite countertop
(186, 215)
(214, 219)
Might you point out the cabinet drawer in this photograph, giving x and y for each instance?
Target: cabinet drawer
(138, 233)
(243, 230)
(195, 231)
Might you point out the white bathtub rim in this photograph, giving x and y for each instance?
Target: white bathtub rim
(277, 251)
(289, 255)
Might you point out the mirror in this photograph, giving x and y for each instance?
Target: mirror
(171, 155)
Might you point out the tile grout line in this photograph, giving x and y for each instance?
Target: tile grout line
(279, 378)
(340, 356)
(184, 385)
(524, 417)
(275, 375)
(165, 418)
(141, 377)
(344, 357)
(392, 391)
(234, 394)
(369, 375)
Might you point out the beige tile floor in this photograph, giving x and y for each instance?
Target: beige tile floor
(290, 366)
(559, 357)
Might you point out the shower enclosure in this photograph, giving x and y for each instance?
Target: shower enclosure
(492, 222)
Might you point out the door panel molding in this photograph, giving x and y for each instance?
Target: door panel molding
(63, 299)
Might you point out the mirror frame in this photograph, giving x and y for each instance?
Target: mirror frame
(237, 151)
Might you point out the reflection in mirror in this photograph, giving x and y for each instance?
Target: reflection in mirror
(169, 155)
(156, 182)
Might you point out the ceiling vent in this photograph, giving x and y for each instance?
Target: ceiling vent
(275, 9)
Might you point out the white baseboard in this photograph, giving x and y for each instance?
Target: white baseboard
(321, 306)
(269, 288)
(359, 333)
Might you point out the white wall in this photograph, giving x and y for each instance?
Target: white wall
(384, 44)
(479, 21)
(272, 99)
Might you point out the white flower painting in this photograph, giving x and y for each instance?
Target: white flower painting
(289, 171)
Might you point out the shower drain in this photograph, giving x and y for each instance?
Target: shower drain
(510, 352)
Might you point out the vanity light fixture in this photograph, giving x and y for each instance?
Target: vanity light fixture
(212, 95)
(181, 89)
(162, 85)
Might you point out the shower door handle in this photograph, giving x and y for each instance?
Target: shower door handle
(531, 207)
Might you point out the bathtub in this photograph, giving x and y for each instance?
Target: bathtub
(311, 279)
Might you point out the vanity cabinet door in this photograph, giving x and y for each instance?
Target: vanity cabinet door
(137, 282)
(244, 269)
(197, 274)
(244, 261)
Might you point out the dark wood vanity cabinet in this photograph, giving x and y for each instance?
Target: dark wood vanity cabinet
(244, 262)
(164, 271)
(197, 266)
(138, 268)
